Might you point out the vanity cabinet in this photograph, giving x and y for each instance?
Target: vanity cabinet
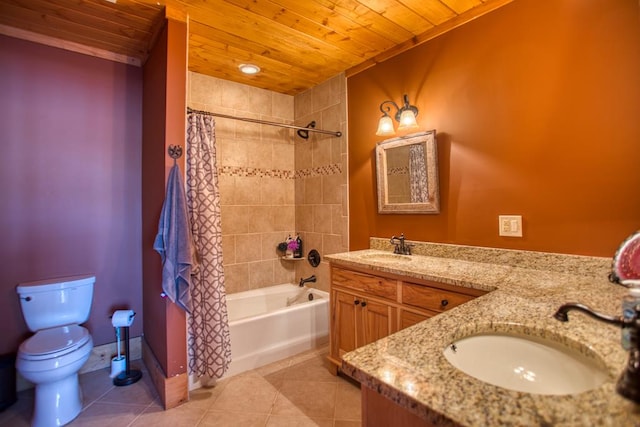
(362, 321)
(366, 306)
(360, 304)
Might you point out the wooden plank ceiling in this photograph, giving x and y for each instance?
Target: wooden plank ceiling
(297, 43)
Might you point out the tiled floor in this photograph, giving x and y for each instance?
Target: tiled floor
(298, 391)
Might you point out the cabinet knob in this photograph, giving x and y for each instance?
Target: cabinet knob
(356, 302)
(363, 303)
(444, 303)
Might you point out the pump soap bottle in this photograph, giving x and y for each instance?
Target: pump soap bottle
(298, 252)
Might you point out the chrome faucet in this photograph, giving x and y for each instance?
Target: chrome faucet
(401, 247)
(307, 280)
(628, 385)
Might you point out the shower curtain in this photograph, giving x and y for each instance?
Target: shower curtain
(418, 174)
(209, 345)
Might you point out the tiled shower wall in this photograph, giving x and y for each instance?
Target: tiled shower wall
(321, 175)
(273, 183)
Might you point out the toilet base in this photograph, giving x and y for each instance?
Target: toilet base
(57, 403)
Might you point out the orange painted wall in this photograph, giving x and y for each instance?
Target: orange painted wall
(537, 112)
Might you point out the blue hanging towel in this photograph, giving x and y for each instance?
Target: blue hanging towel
(174, 244)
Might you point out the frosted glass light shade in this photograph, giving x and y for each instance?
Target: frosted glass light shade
(385, 126)
(407, 120)
(249, 68)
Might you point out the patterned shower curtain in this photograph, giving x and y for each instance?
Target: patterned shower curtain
(418, 174)
(209, 346)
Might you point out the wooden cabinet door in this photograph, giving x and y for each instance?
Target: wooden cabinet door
(378, 321)
(343, 325)
(410, 318)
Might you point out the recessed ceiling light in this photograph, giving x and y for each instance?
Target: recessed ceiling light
(249, 68)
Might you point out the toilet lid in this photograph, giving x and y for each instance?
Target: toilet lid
(55, 340)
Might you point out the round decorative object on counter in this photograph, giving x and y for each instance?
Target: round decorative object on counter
(626, 261)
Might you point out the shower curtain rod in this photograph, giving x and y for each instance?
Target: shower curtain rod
(303, 132)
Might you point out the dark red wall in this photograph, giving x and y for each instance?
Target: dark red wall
(536, 107)
(70, 180)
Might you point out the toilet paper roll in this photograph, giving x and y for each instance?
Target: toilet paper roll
(122, 318)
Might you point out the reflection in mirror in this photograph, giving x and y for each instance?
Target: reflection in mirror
(407, 173)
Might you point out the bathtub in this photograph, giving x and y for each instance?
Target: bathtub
(273, 323)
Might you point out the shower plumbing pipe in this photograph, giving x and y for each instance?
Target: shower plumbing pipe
(301, 129)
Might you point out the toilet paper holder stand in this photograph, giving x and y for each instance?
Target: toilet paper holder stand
(128, 376)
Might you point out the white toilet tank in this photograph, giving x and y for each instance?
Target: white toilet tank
(56, 302)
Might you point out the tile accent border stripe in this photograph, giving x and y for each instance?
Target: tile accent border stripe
(243, 171)
(332, 169)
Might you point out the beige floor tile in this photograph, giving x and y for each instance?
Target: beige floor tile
(18, 414)
(342, 423)
(306, 398)
(312, 369)
(273, 368)
(94, 385)
(348, 400)
(141, 393)
(183, 416)
(288, 421)
(17, 420)
(274, 373)
(246, 393)
(205, 397)
(322, 351)
(107, 414)
(293, 392)
(232, 419)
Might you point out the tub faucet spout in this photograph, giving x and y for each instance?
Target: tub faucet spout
(307, 280)
(628, 385)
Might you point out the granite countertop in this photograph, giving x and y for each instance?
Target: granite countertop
(409, 367)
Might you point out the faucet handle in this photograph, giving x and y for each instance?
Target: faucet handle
(400, 246)
(407, 248)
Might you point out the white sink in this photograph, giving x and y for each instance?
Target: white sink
(527, 364)
(386, 257)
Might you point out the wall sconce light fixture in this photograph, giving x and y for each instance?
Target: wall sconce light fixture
(405, 116)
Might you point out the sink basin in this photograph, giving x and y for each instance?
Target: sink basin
(386, 257)
(524, 363)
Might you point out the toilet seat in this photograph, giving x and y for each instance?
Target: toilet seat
(54, 342)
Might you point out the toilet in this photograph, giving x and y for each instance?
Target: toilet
(52, 357)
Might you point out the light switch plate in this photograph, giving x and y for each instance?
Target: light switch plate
(510, 225)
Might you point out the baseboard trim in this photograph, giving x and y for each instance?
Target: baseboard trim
(173, 391)
(101, 355)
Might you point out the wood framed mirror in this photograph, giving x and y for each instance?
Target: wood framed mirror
(407, 174)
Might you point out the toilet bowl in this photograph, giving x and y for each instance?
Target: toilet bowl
(52, 357)
(51, 360)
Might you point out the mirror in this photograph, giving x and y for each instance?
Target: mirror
(407, 172)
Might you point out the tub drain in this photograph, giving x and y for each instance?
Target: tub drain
(310, 297)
